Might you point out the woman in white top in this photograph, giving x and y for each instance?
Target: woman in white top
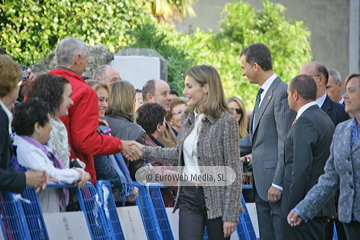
(208, 141)
(55, 91)
(32, 126)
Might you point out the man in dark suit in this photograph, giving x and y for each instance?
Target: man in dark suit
(307, 147)
(319, 73)
(334, 110)
(269, 125)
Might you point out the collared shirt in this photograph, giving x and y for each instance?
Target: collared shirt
(320, 101)
(341, 100)
(303, 108)
(8, 113)
(190, 147)
(267, 85)
(355, 131)
(67, 69)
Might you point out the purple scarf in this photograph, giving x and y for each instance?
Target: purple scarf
(57, 164)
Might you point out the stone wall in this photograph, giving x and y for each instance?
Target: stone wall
(98, 55)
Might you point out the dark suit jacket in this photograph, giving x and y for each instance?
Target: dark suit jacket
(335, 111)
(10, 180)
(307, 147)
(266, 142)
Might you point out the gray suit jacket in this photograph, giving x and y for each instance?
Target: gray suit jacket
(307, 148)
(341, 170)
(266, 142)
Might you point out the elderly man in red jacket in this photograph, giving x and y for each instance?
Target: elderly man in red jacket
(82, 121)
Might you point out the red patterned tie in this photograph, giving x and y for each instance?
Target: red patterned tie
(293, 122)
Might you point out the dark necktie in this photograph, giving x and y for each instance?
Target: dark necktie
(256, 107)
(257, 102)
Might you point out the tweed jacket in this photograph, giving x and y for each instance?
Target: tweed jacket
(341, 170)
(217, 146)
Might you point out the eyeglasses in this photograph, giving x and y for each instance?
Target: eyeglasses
(176, 113)
(236, 110)
(314, 75)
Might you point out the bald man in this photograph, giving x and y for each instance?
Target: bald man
(106, 74)
(319, 73)
(158, 91)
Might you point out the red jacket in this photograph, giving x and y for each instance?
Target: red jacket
(82, 121)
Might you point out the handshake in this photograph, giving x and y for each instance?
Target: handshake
(132, 150)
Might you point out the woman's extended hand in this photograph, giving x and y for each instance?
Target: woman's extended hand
(132, 150)
(84, 177)
(228, 228)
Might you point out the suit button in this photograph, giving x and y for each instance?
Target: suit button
(207, 208)
(198, 143)
(203, 119)
(351, 186)
(350, 173)
(201, 130)
(206, 196)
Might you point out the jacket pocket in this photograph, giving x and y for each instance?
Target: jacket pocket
(270, 164)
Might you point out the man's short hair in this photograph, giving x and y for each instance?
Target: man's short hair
(149, 116)
(320, 69)
(67, 49)
(260, 54)
(149, 87)
(100, 73)
(305, 85)
(335, 74)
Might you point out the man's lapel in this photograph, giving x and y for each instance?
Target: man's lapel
(267, 98)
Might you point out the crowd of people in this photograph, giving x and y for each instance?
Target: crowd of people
(299, 144)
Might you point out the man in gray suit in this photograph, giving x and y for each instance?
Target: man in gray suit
(341, 170)
(306, 151)
(269, 125)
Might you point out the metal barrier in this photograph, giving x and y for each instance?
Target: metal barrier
(148, 214)
(108, 203)
(13, 218)
(91, 206)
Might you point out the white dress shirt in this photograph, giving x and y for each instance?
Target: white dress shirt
(190, 149)
(320, 101)
(266, 85)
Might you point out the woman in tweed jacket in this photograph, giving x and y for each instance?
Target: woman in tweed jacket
(208, 137)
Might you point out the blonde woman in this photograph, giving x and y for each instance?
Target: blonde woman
(237, 107)
(208, 137)
(120, 117)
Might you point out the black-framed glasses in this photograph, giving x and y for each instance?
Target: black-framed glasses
(236, 110)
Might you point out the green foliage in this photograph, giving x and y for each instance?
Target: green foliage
(241, 26)
(30, 29)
